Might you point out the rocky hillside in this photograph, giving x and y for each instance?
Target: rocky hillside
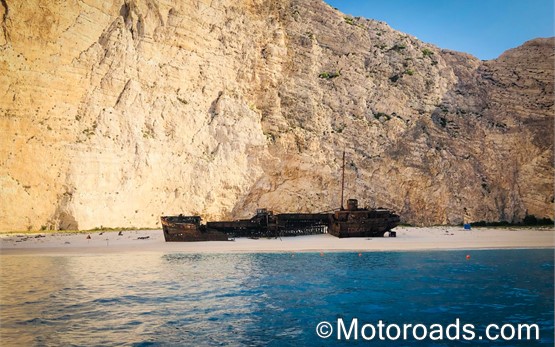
(113, 113)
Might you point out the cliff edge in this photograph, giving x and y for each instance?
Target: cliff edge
(113, 113)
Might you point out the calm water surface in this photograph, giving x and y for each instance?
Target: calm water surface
(266, 299)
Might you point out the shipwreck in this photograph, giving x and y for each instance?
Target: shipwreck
(342, 222)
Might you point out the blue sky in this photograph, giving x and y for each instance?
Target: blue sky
(483, 28)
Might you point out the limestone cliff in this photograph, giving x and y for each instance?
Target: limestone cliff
(113, 113)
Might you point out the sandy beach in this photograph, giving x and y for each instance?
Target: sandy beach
(408, 238)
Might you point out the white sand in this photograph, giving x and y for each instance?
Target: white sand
(408, 238)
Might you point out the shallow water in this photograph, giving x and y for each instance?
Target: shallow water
(267, 299)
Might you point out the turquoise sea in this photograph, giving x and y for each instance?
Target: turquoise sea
(277, 299)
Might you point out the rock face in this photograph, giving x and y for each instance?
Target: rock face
(113, 113)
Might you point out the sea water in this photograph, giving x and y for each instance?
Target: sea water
(269, 299)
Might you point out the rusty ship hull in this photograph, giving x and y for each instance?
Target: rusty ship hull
(188, 229)
(362, 222)
(345, 222)
(267, 224)
(350, 222)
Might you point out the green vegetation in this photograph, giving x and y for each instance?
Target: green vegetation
(339, 128)
(350, 21)
(47, 230)
(398, 47)
(442, 122)
(409, 72)
(427, 52)
(148, 133)
(270, 137)
(380, 115)
(329, 75)
(444, 108)
(88, 132)
(394, 78)
(101, 228)
(529, 220)
(532, 220)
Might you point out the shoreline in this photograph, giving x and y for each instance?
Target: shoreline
(523, 227)
(408, 239)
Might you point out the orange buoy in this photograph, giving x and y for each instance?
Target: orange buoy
(468, 257)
